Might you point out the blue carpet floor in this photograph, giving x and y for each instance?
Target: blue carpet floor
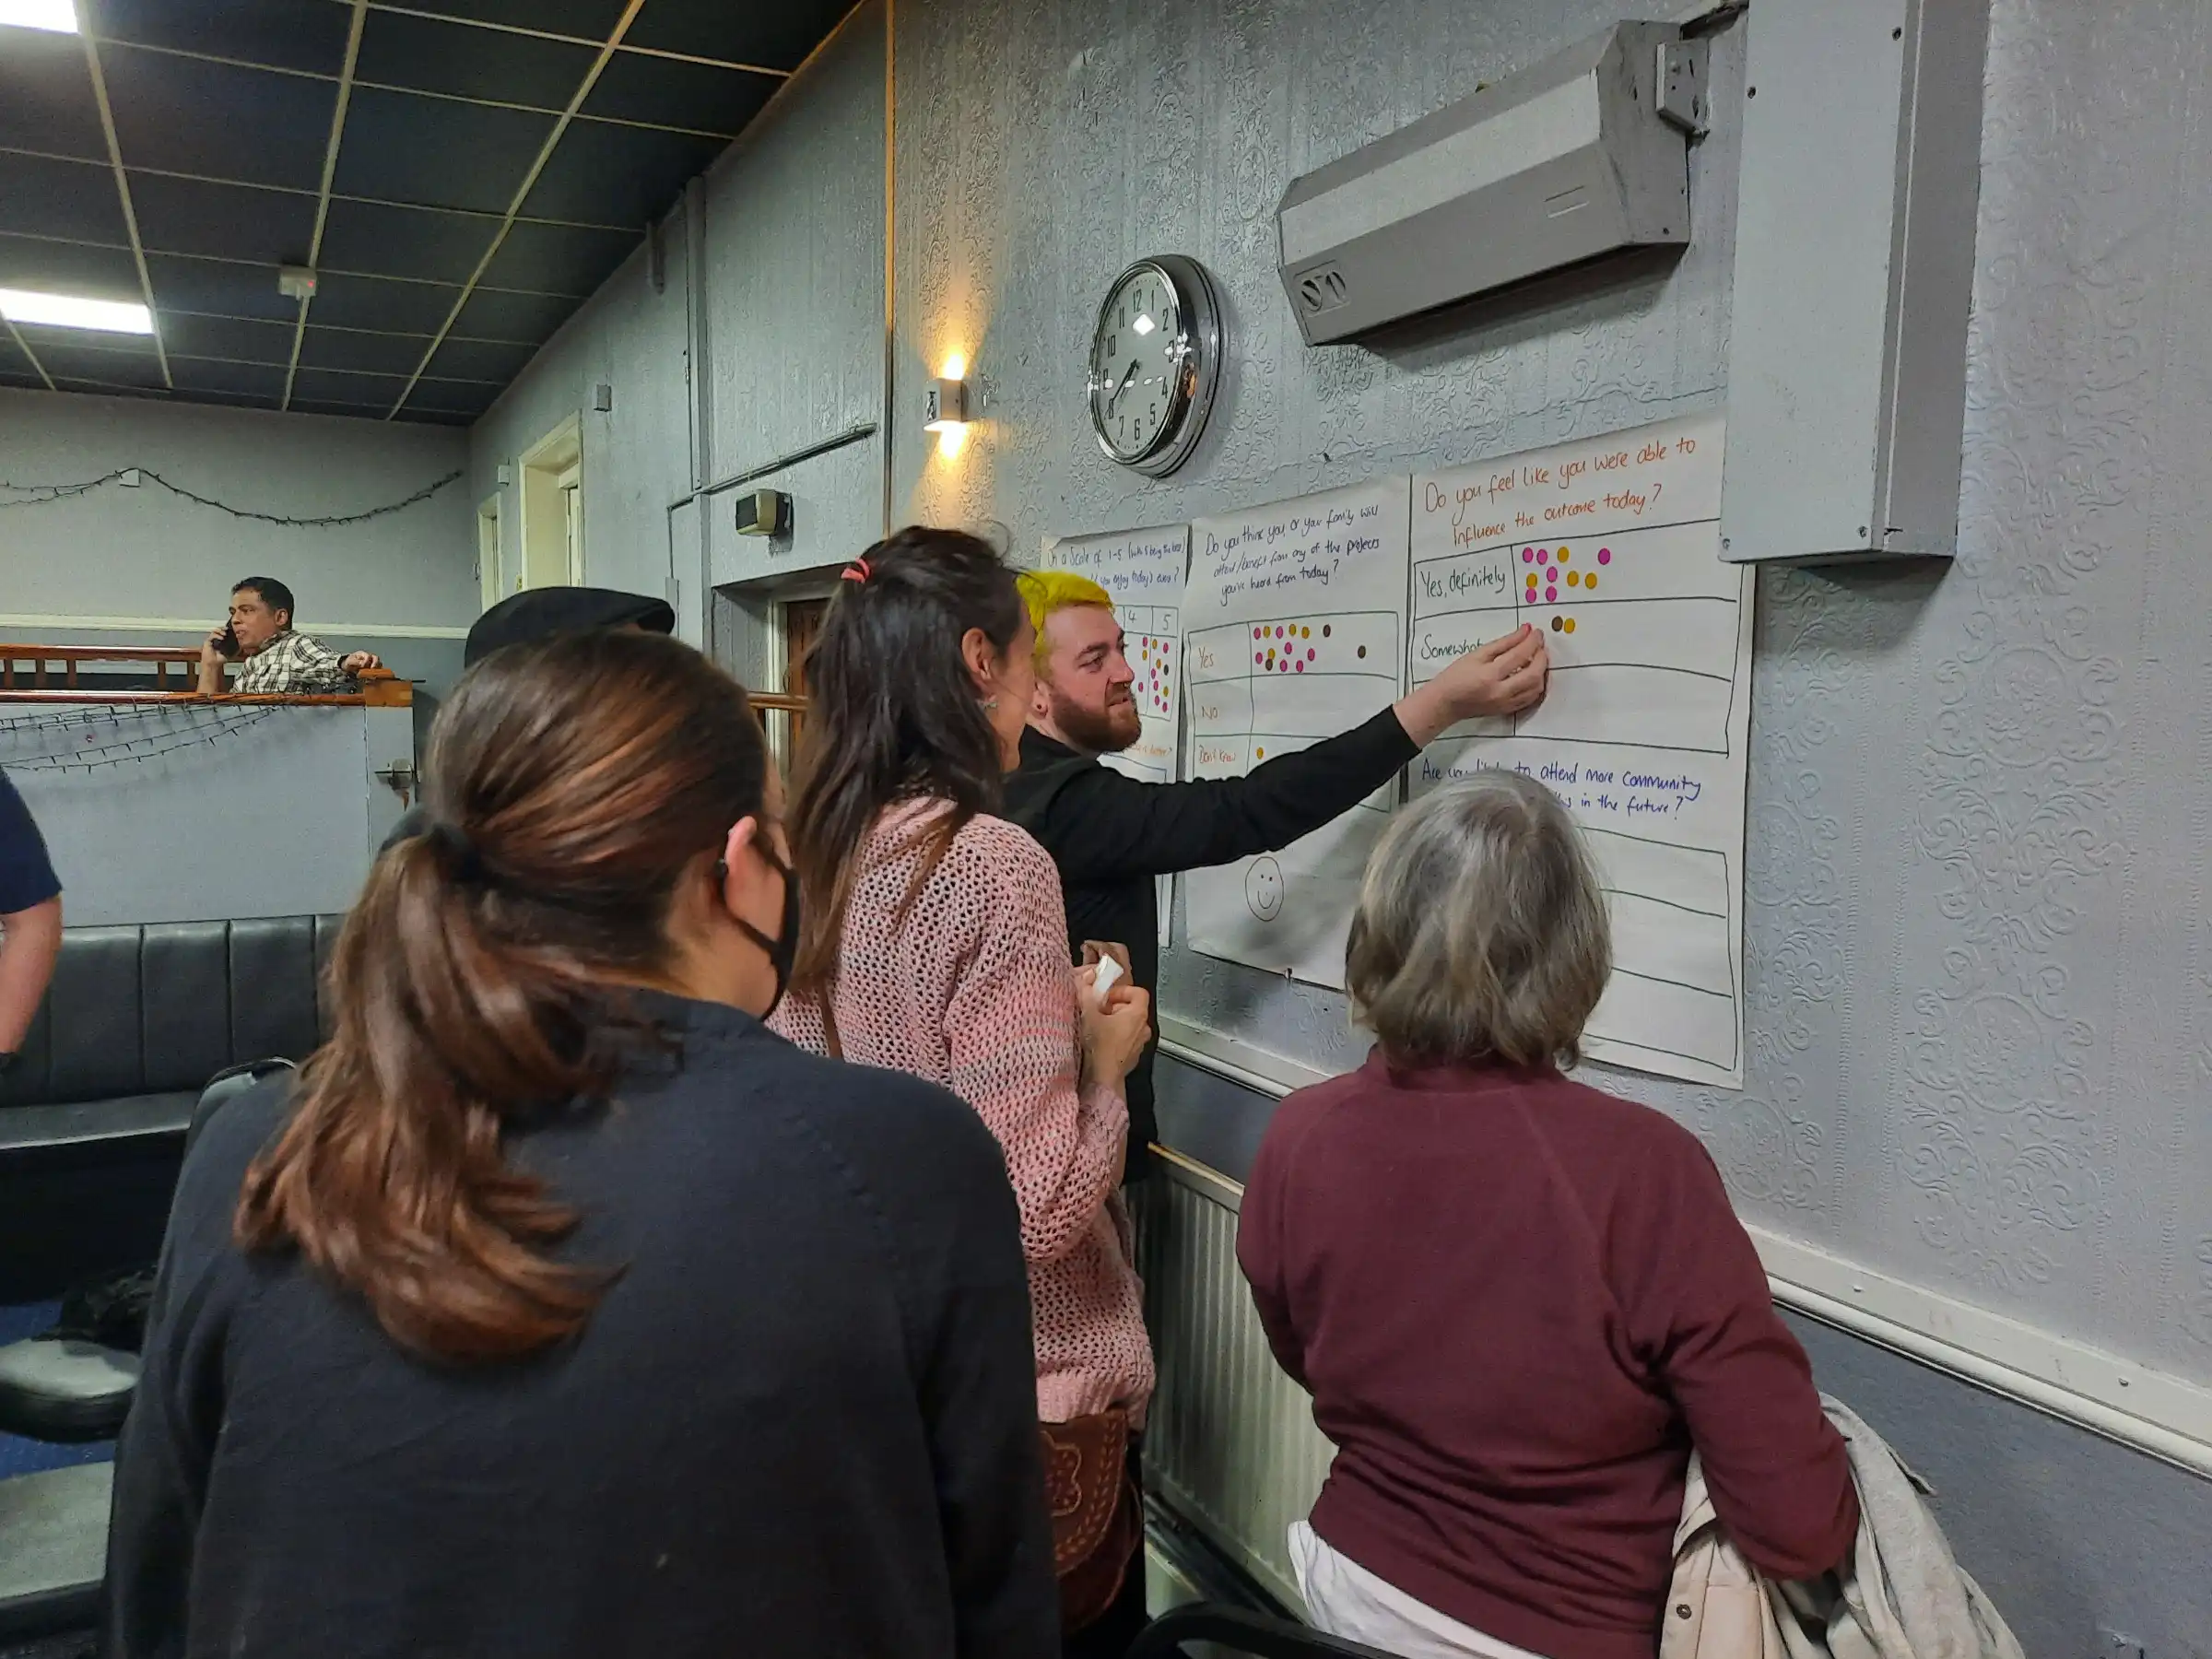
(19, 1456)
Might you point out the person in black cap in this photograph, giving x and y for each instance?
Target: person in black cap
(539, 613)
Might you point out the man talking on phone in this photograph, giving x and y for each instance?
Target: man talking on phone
(1110, 834)
(272, 657)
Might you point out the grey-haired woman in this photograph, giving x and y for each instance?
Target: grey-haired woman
(1519, 1303)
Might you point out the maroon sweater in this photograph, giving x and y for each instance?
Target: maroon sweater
(1518, 1304)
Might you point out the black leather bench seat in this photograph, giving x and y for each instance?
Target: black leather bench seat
(93, 1115)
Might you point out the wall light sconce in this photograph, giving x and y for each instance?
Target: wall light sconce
(945, 405)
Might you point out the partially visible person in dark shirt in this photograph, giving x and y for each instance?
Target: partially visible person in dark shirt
(561, 1310)
(1112, 835)
(31, 921)
(537, 613)
(1519, 1303)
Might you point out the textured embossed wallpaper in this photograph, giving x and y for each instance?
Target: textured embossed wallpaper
(1978, 952)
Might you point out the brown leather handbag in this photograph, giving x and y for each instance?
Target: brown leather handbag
(1097, 1513)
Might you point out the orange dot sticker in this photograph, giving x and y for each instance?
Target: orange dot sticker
(1570, 625)
(1573, 577)
(1590, 581)
(1261, 754)
(1563, 556)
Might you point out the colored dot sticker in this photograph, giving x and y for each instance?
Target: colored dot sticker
(1362, 650)
(1309, 653)
(1528, 555)
(1563, 556)
(1605, 556)
(1551, 594)
(1574, 578)
(1262, 754)
(1257, 657)
(1556, 624)
(1324, 630)
(1305, 633)
(1543, 555)
(1259, 633)
(1301, 667)
(1570, 625)
(1590, 581)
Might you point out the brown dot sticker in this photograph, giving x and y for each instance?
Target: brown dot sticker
(1555, 625)
(1324, 630)
(1362, 650)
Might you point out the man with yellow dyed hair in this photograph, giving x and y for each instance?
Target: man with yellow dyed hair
(1110, 834)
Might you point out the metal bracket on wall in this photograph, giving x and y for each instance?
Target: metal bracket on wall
(1681, 83)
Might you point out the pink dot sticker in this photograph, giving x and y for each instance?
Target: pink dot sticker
(1309, 653)
(1301, 667)
(1551, 593)
(1528, 555)
(1256, 657)
(1605, 556)
(1259, 633)
(1544, 556)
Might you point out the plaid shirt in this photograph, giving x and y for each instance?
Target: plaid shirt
(294, 665)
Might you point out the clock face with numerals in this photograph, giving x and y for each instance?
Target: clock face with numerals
(1155, 361)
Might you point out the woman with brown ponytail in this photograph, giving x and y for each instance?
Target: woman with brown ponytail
(566, 1309)
(935, 943)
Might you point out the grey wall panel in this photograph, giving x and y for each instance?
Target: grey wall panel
(1978, 982)
(634, 339)
(795, 261)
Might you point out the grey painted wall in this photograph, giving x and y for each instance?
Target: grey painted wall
(265, 811)
(1977, 940)
(146, 554)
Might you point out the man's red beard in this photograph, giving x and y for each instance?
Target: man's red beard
(1099, 733)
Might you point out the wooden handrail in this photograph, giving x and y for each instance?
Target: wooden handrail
(68, 657)
(380, 689)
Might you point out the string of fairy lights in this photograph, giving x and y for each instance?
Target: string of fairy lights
(93, 740)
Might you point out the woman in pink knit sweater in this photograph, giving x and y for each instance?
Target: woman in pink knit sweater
(934, 943)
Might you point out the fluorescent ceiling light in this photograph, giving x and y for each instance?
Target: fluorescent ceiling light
(59, 15)
(65, 310)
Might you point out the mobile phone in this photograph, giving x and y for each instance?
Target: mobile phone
(227, 644)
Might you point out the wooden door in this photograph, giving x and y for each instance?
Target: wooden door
(802, 626)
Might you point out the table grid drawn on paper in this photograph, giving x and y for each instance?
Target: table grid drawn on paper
(1643, 726)
(1273, 687)
(1640, 625)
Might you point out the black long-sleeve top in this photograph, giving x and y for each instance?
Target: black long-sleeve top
(1111, 835)
(802, 1422)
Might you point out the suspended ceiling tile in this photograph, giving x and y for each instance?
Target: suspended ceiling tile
(383, 303)
(284, 34)
(559, 258)
(356, 411)
(452, 397)
(334, 385)
(776, 36)
(433, 55)
(216, 286)
(103, 388)
(237, 222)
(496, 360)
(188, 336)
(617, 175)
(669, 92)
(202, 374)
(374, 353)
(402, 147)
(68, 268)
(74, 201)
(46, 102)
(587, 19)
(434, 417)
(121, 365)
(494, 314)
(406, 241)
(218, 120)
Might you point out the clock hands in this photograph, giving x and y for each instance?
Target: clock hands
(1115, 395)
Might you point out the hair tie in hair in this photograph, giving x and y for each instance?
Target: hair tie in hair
(858, 571)
(459, 853)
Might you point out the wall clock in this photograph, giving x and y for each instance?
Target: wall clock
(1156, 363)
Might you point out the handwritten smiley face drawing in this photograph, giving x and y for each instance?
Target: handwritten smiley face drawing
(1264, 888)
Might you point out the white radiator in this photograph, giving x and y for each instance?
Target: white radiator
(1231, 1444)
